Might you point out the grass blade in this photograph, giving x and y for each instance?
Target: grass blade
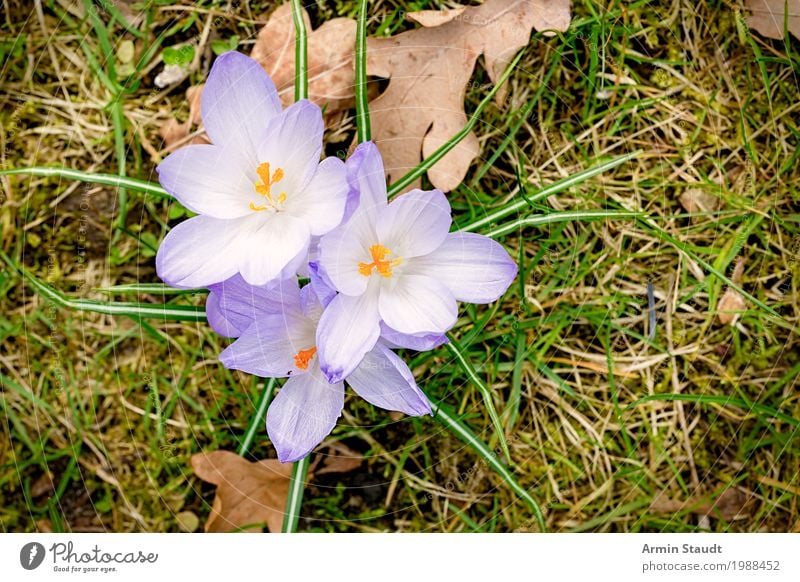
(300, 53)
(151, 288)
(362, 106)
(137, 310)
(566, 216)
(547, 191)
(106, 179)
(463, 432)
(442, 150)
(257, 420)
(486, 393)
(295, 499)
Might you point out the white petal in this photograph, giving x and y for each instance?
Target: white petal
(474, 267)
(414, 224)
(347, 330)
(341, 251)
(207, 180)
(280, 241)
(321, 203)
(418, 304)
(384, 380)
(303, 413)
(238, 101)
(202, 250)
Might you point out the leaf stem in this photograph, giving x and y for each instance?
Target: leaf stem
(257, 420)
(297, 486)
(362, 106)
(300, 53)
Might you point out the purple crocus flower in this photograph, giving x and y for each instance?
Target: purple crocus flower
(260, 190)
(281, 342)
(397, 266)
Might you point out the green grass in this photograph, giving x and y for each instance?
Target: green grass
(101, 412)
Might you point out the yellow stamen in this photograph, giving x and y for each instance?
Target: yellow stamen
(379, 262)
(255, 208)
(265, 186)
(302, 357)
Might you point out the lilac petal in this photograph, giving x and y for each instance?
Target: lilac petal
(303, 413)
(207, 180)
(418, 304)
(341, 251)
(281, 241)
(268, 347)
(347, 330)
(234, 304)
(310, 304)
(202, 250)
(474, 267)
(367, 180)
(238, 101)
(293, 143)
(384, 380)
(420, 342)
(321, 203)
(321, 284)
(415, 223)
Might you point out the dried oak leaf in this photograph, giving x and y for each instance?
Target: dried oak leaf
(767, 17)
(429, 68)
(247, 493)
(252, 493)
(730, 505)
(331, 66)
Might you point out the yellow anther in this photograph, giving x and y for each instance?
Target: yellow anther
(264, 187)
(379, 262)
(255, 208)
(302, 357)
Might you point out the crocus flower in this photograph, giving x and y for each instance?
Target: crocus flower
(398, 266)
(282, 343)
(260, 190)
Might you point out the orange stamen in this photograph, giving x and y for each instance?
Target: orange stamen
(302, 358)
(379, 262)
(264, 188)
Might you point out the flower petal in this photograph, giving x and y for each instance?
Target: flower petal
(321, 203)
(207, 180)
(347, 330)
(303, 413)
(238, 100)
(418, 304)
(367, 180)
(268, 347)
(234, 304)
(280, 242)
(384, 380)
(474, 267)
(342, 249)
(321, 284)
(202, 250)
(422, 342)
(293, 142)
(415, 224)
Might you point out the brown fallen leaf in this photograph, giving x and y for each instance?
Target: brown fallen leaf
(732, 302)
(429, 68)
(331, 68)
(767, 17)
(174, 133)
(247, 493)
(250, 493)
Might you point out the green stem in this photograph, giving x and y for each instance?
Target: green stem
(105, 179)
(257, 420)
(362, 106)
(295, 499)
(300, 53)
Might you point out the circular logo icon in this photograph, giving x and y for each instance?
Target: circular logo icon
(31, 555)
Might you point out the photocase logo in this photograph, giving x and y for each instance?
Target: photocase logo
(31, 555)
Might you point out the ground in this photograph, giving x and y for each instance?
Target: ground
(101, 415)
